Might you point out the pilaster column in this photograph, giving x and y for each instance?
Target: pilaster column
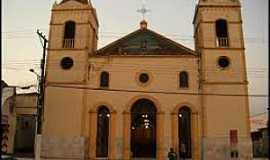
(126, 129)
(92, 134)
(195, 135)
(112, 136)
(175, 140)
(161, 149)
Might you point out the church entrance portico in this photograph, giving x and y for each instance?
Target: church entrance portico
(143, 129)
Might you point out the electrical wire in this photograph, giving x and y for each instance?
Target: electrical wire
(156, 92)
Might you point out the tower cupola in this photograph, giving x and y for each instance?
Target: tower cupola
(81, 1)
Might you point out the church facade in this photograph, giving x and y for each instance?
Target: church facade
(144, 93)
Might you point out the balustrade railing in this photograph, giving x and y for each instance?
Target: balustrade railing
(68, 43)
(222, 42)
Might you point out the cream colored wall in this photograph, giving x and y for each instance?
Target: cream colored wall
(230, 112)
(212, 72)
(212, 14)
(74, 75)
(163, 71)
(63, 112)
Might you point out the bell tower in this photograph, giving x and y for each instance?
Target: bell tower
(219, 41)
(73, 38)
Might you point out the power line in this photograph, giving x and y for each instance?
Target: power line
(56, 61)
(151, 68)
(164, 71)
(156, 92)
(120, 34)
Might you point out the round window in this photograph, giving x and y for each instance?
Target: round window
(223, 62)
(66, 63)
(144, 78)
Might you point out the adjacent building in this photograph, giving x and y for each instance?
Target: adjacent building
(7, 117)
(260, 135)
(18, 122)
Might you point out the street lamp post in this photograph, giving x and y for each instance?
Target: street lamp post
(39, 115)
(39, 99)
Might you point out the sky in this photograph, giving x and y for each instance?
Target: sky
(22, 50)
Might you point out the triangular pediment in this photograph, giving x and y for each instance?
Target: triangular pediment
(145, 42)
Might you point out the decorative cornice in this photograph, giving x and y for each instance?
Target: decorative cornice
(222, 48)
(229, 22)
(225, 83)
(145, 56)
(76, 9)
(63, 84)
(219, 6)
(66, 49)
(77, 23)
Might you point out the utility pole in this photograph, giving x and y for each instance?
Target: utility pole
(40, 106)
(40, 101)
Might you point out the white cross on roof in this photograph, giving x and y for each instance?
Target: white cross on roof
(143, 10)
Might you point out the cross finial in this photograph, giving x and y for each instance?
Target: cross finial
(143, 10)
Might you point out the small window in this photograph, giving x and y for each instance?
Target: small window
(223, 62)
(69, 30)
(104, 79)
(69, 34)
(144, 78)
(222, 33)
(67, 63)
(183, 79)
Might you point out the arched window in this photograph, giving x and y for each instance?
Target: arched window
(104, 79)
(184, 132)
(222, 33)
(183, 79)
(103, 119)
(69, 34)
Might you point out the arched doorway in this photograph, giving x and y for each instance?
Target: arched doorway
(184, 132)
(143, 129)
(102, 138)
